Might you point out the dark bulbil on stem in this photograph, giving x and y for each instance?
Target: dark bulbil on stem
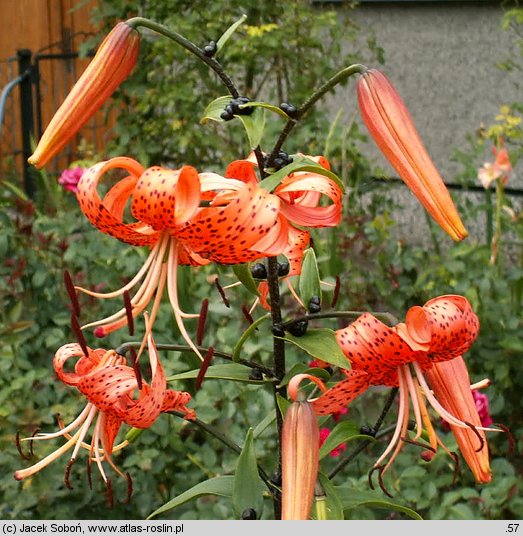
(235, 108)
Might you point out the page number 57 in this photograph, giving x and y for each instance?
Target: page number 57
(512, 527)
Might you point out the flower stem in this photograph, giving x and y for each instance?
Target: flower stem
(494, 249)
(135, 22)
(387, 317)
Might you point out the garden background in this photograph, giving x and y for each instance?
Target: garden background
(458, 67)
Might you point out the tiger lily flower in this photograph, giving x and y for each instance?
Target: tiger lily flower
(108, 385)
(405, 356)
(299, 194)
(240, 224)
(390, 125)
(112, 64)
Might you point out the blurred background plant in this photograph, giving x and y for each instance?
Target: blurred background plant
(380, 266)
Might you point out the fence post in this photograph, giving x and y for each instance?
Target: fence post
(27, 117)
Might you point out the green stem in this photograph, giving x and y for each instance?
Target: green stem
(489, 224)
(246, 335)
(309, 103)
(387, 317)
(496, 239)
(377, 425)
(126, 346)
(227, 442)
(136, 22)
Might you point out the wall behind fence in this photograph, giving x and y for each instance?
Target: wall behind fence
(43, 27)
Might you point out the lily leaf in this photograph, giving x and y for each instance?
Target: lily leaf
(243, 273)
(220, 485)
(353, 497)
(302, 368)
(247, 489)
(342, 432)
(235, 372)
(334, 506)
(264, 424)
(283, 404)
(321, 344)
(230, 30)
(309, 284)
(267, 106)
(299, 164)
(254, 124)
(214, 109)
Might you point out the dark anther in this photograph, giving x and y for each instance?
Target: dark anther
(298, 329)
(455, 475)
(249, 513)
(511, 439)
(109, 492)
(75, 326)
(19, 447)
(69, 286)
(336, 294)
(256, 374)
(136, 367)
(283, 268)
(129, 312)
(369, 477)
(259, 271)
(314, 305)
(278, 331)
(380, 482)
(129, 488)
(247, 315)
(89, 475)
(210, 49)
(427, 455)
(31, 442)
(368, 430)
(201, 321)
(222, 292)
(68, 473)
(289, 109)
(203, 369)
(481, 440)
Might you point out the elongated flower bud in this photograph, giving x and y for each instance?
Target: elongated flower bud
(390, 124)
(451, 385)
(301, 440)
(112, 64)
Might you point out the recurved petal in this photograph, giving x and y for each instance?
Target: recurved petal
(112, 64)
(111, 424)
(450, 383)
(391, 126)
(108, 216)
(83, 366)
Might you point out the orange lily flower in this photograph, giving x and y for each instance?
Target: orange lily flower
(112, 64)
(390, 124)
(108, 385)
(433, 336)
(240, 224)
(300, 194)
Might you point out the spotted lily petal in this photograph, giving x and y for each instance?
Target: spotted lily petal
(391, 126)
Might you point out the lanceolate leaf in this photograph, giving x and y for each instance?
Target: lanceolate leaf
(230, 30)
(342, 432)
(247, 489)
(243, 273)
(267, 106)
(309, 284)
(299, 164)
(228, 371)
(353, 497)
(214, 109)
(254, 124)
(321, 344)
(220, 485)
(334, 506)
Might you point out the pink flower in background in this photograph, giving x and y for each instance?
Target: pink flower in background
(70, 177)
(491, 171)
(481, 401)
(324, 434)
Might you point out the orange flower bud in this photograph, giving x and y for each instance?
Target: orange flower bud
(390, 124)
(112, 64)
(451, 385)
(301, 445)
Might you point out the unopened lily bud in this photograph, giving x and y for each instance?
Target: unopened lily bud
(301, 439)
(391, 126)
(112, 64)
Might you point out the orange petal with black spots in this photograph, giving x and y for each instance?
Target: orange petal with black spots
(83, 366)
